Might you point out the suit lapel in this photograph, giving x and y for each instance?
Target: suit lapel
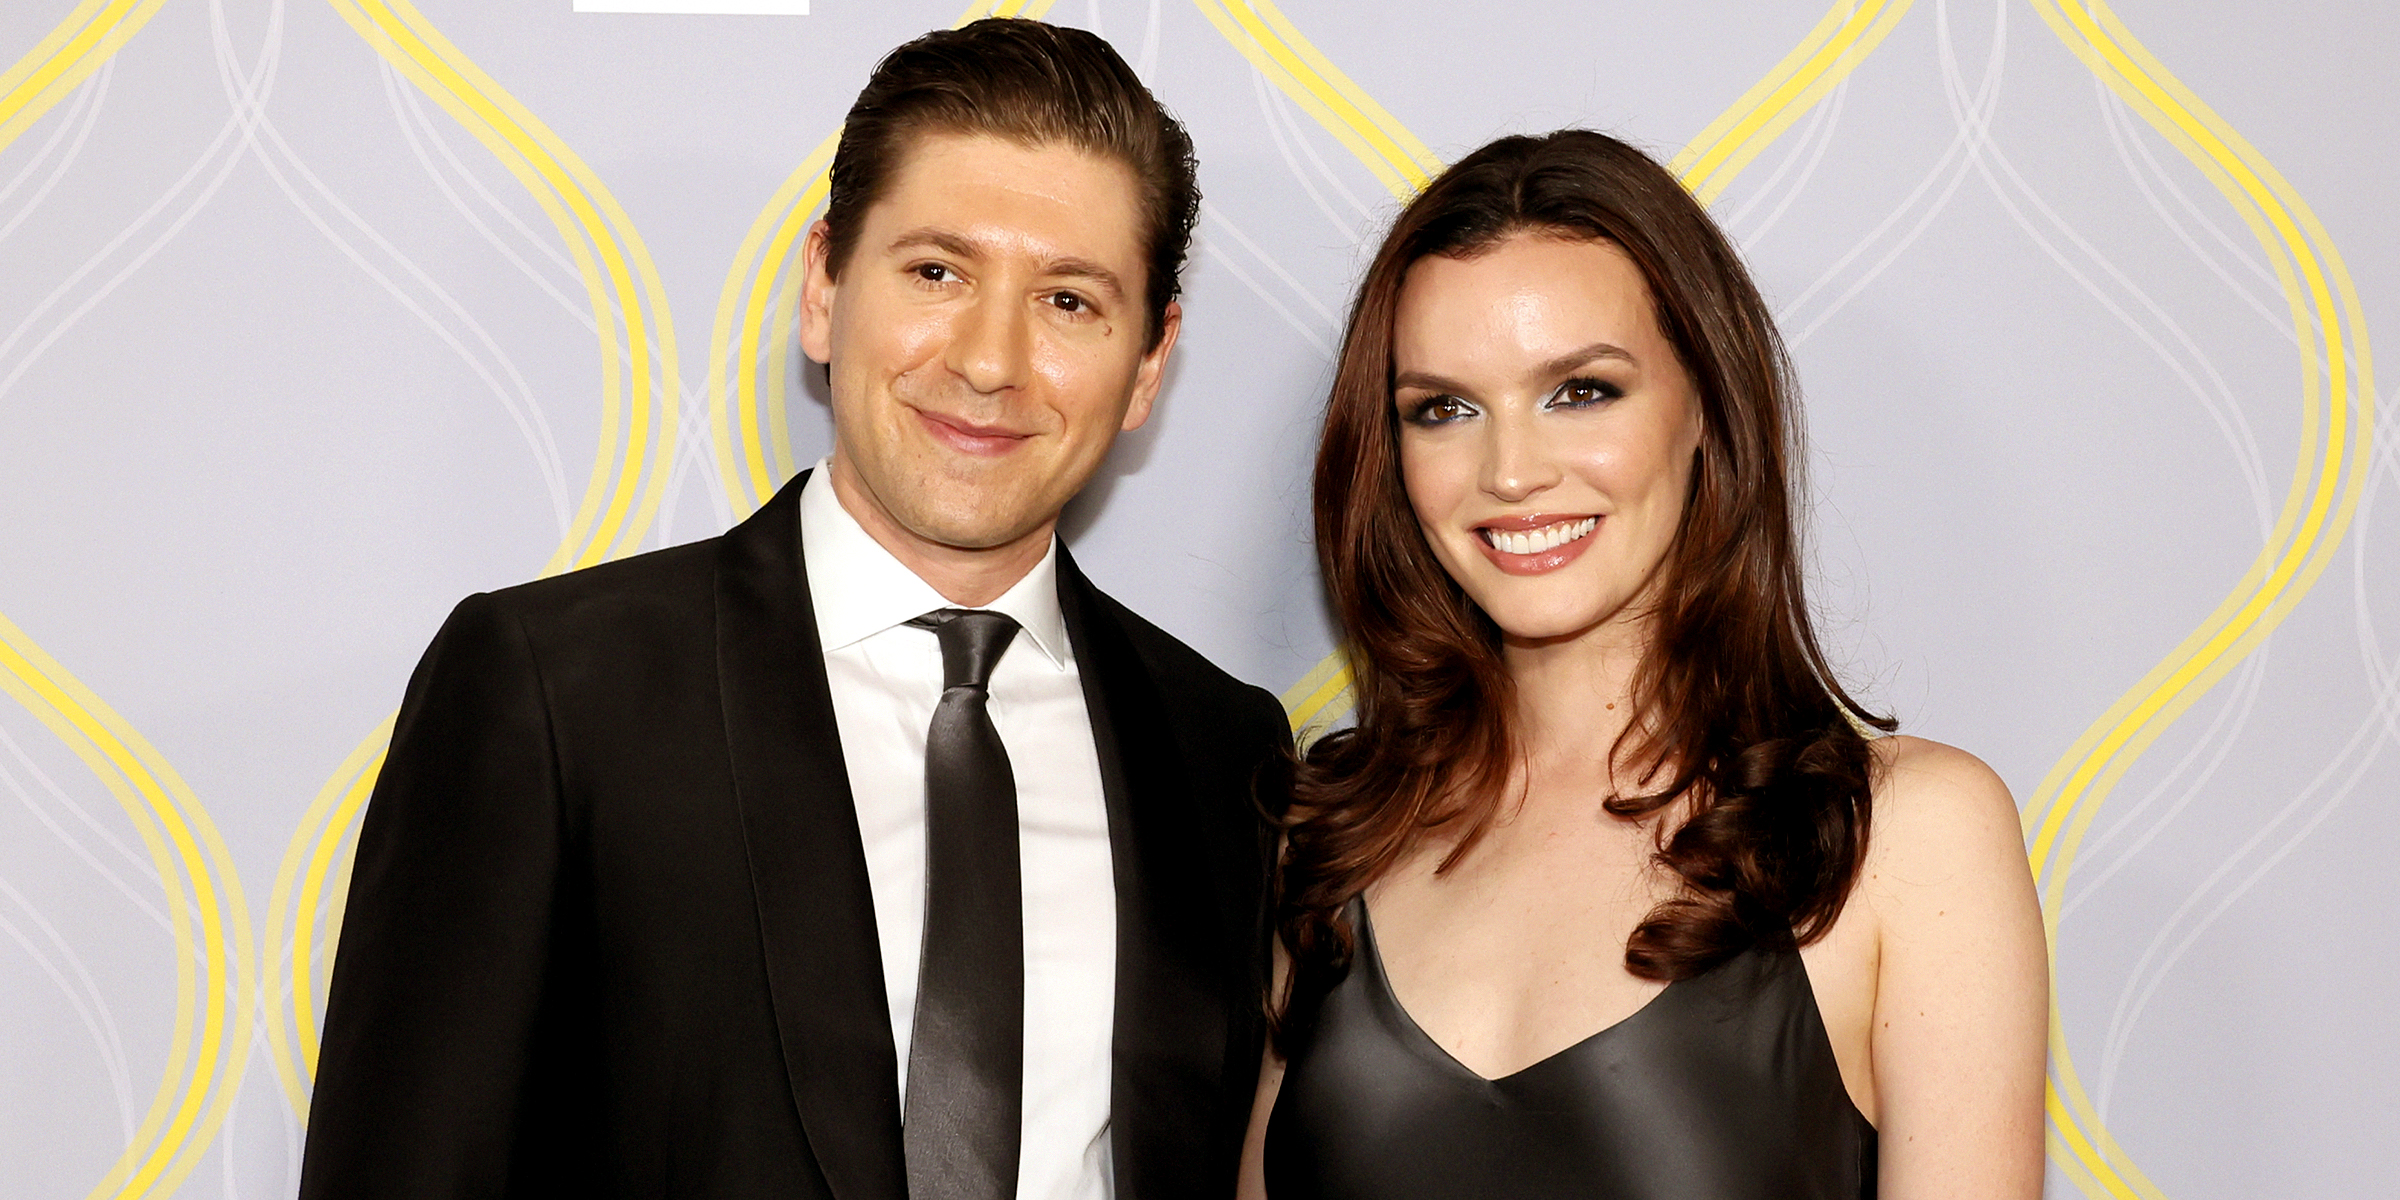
(1169, 1047)
(807, 868)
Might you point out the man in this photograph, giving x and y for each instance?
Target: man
(867, 851)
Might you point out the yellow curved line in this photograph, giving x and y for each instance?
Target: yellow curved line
(1841, 40)
(1278, 49)
(763, 287)
(404, 37)
(322, 845)
(65, 58)
(619, 504)
(744, 472)
(281, 1038)
(193, 865)
(320, 863)
(1322, 697)
(215, 984)
(2330, 327)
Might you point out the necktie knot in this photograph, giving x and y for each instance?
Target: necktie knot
(973, 639)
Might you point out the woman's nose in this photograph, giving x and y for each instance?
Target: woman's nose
(1517, 465)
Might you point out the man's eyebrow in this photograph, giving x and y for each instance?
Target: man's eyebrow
(957, 245)
(1083, 268)
(1561, 365)
(937, 239)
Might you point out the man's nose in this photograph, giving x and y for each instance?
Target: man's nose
(1517, 464)
(991, 343)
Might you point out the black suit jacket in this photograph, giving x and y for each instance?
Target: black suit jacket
(609, 932)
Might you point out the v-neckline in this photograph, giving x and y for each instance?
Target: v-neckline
(1435, 1050)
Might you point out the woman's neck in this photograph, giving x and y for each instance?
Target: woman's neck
(1574, 695)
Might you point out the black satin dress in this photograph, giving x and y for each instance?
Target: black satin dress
(1723, 1087)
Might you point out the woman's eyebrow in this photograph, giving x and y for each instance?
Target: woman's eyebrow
(1426, 380)
(1551, 369)
(1583, 358)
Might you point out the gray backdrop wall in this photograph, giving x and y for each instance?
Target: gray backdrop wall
(316, 315)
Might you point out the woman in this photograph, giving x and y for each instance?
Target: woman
(1602, 776)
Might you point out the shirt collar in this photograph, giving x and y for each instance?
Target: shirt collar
(859, 590)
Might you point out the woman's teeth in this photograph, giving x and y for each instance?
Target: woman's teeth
(1535, 541)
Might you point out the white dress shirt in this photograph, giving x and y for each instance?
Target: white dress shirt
(886, 677)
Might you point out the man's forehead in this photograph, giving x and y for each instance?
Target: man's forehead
(1049, 198)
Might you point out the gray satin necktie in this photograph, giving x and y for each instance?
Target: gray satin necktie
(966, 1050)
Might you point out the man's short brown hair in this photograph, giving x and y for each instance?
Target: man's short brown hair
(1035, 84)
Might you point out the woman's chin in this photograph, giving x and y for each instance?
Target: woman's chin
(1546, 628)
(1531, 617)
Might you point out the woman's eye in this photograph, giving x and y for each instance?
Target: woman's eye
(1438, 410)
(1584, 393)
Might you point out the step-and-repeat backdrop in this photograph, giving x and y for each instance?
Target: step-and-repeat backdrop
(316, 315)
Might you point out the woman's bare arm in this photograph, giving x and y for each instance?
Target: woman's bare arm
(1254, 1145)
(1252, 1182)
(1961, 1016)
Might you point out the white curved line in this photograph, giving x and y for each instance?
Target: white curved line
(1985, 154)
(1208, 247)
(82, 100)
(2240, 702)
(1213, 213)
(1815, 137)
(88, 102)
(1816, 158)
(268, 56)
(1987, 98)
(2385, 464)
(421, 129)
(2150, 971)
(2252, 462)
(1283, 110)
(1274, 123)
(1147, 64)
(544, 443)
(25, 797)
(693, 455)
(208, 157)
(225, 1131)
(426, 132)
(91, 1006)
(516, 394)
(2131, 145)
(2240, 250)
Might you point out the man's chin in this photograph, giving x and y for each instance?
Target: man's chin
(975, 530)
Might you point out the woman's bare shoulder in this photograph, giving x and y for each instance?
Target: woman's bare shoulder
(1941, 818)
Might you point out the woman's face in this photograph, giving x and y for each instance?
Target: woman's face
(1547, 429)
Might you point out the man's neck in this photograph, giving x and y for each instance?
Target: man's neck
(970, 577)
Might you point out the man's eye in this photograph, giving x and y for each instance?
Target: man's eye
(935, 273)
(1070, 302)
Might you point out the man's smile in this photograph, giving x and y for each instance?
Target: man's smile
(970, 437)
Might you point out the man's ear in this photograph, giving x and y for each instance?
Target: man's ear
(816, 294)
(1152, 372)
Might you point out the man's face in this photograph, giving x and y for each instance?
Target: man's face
(987, 341)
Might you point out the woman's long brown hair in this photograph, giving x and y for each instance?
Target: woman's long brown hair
(1735, 707)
